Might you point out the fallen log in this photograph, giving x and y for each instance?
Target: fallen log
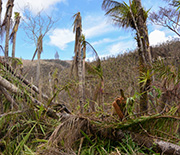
(6, 84)
(11, 113)
(72, 128)
(30, 85)
(8, 97)
(160, 145)
(167, 147)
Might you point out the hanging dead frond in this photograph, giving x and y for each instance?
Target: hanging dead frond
(77, 22)
(92, 53)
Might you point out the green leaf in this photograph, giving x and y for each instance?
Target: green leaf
(22, 143)
(28, 151)
(87, 137)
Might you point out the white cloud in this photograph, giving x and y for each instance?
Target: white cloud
(94, 27)
(97, 30)
(35, 5)
(61, 37)
(105, 40)
(157, 37)
(121, 47)
(108, 40)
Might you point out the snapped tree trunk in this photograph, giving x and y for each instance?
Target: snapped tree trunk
(9, 86)
(7, 39)
(14, 33)
(83, 70)
(78, 57)
(14, 46)
(9, 98)
(7, 26)
(80, 78)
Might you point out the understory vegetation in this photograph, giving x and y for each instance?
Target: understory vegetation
(124, 104)
(29, 130)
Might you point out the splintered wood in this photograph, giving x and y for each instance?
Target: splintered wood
(119, 106)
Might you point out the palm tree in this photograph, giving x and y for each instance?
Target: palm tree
(14, 32)
(77, 29)
(6, 24)
(133, 16)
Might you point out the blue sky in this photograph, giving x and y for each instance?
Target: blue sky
(106, 38)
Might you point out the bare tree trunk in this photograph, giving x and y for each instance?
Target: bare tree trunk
(38, 76)
(14, 46)
(38, 68)
(0, 10)
(7, 26)
(7, 39)
(8, 85)
(83, 70)
(15, 29)
(80, 77)
(14, 32)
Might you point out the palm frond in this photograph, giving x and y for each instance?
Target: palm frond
(77, 21)
(109, 4)
(90, 49)
(120, 13)
(90, 69)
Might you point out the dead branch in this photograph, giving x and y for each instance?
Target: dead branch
(167, 147)
(71, 128)
(27, 83)
(8, 85)
(14, 89)
(8, 97)
(11, 113)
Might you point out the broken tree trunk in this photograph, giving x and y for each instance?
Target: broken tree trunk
(118, 110)
(120, 105)
(72, 128)
(30, 85)
(9, 98)
(6, 84)
(156, 144)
